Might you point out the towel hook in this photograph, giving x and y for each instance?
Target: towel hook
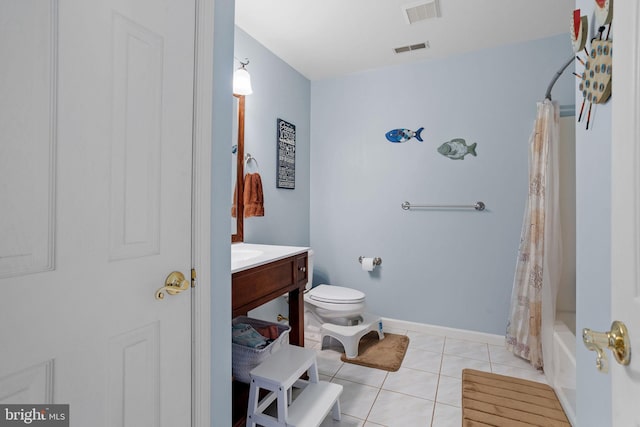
(248, 158)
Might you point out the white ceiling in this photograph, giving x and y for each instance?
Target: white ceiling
(328, 38)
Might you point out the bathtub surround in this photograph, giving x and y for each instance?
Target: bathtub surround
(562, 376)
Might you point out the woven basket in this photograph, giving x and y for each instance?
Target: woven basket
(244, 358)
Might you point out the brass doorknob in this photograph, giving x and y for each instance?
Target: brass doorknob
(174, 284)
(616, 340)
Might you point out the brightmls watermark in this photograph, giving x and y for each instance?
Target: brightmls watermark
(34, 415)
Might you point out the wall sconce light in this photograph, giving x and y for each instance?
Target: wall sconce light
(242, 80)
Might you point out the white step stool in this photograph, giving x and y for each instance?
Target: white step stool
(349, 336)
(278, 373)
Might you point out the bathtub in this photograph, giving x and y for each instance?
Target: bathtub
(563, 377)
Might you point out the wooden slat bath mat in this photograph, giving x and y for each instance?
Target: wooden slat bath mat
(497, 400)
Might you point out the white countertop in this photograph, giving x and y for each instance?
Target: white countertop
(248, 255)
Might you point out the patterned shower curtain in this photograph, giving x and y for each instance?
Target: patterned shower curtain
(538, 265)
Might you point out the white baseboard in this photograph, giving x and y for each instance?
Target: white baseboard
(443, 331)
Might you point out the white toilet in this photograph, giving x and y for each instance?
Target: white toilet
(337, 312)
(331, 304)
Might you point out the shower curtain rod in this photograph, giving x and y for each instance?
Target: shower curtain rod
(557, 76)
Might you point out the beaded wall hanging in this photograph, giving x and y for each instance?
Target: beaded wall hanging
(595, 80)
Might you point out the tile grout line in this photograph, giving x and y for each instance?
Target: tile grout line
(373, 403)
(490, 360)
(435, 399)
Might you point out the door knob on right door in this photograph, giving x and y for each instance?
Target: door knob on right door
(616, 340)
(173, 285)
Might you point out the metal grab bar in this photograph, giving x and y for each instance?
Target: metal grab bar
(479, 206)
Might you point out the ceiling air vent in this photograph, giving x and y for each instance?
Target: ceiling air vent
(421, 11)
(412, 47)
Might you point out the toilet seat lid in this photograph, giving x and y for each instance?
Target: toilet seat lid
(336, 294)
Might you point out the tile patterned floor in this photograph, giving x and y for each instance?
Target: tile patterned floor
(425, 392)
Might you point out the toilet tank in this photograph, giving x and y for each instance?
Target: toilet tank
(309, 269)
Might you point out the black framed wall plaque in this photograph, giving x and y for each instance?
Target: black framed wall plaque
(286, 177)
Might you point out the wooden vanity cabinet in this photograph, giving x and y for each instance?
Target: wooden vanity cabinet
(255, 286)
(258, 285)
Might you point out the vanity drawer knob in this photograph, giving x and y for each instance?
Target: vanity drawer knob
(303, 269)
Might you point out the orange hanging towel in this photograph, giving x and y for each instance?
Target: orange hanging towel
(234, 206)
(253, 196)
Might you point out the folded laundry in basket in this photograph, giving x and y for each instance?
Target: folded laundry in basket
(245, 335)
(271, 332)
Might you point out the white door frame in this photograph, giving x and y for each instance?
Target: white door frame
(201, 215)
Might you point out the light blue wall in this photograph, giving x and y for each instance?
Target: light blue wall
(593, 251)
(449, 268)
(220, 238)
(278, 92)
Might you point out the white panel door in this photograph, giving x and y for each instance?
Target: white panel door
(96, 116)
(625, 292)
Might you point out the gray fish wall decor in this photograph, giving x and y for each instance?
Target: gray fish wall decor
(457, 148)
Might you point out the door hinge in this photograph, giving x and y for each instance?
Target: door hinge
(193, 277)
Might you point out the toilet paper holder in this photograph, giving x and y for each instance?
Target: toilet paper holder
(376, 260)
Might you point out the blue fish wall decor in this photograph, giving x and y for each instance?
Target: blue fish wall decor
(457, 148)
(403, 135)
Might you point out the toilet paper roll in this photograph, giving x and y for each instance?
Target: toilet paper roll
(367, 264)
